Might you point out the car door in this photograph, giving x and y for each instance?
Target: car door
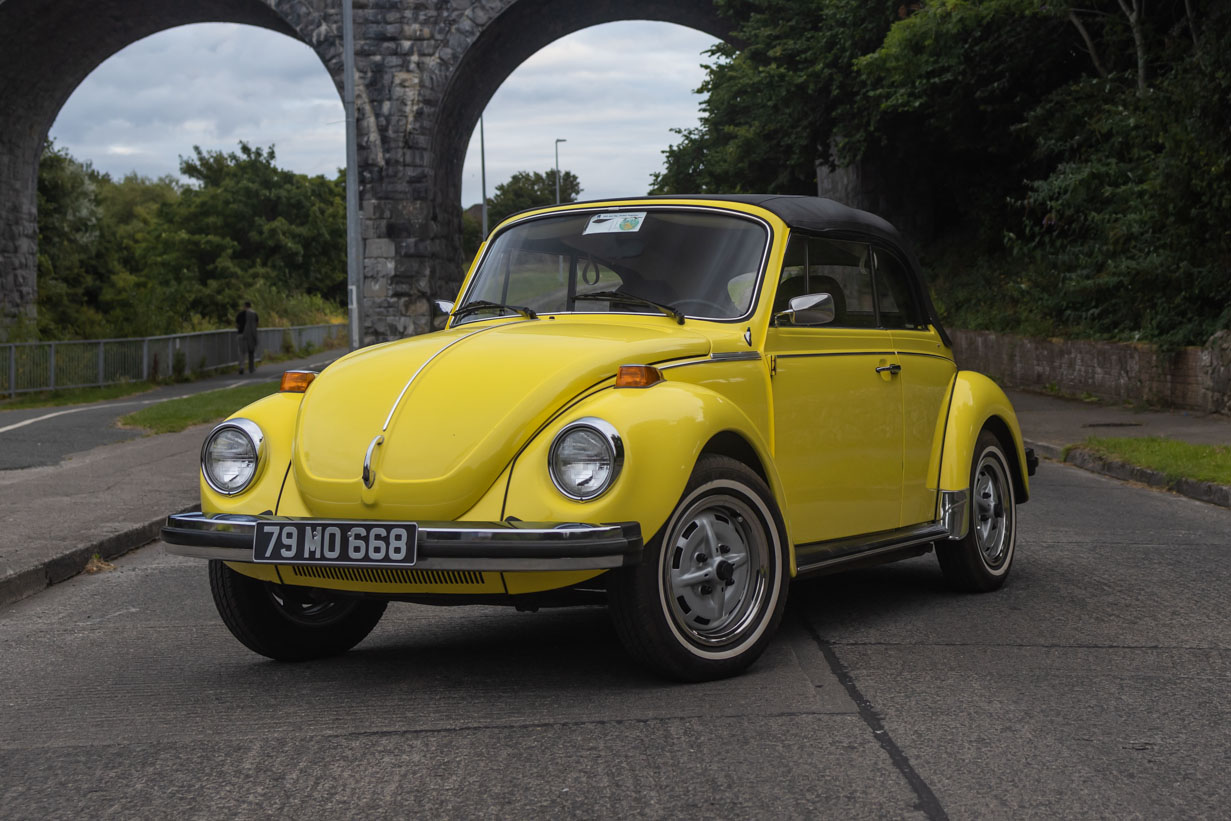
(837, 403)
(926, 378)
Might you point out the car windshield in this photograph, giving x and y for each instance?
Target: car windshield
(692, 263)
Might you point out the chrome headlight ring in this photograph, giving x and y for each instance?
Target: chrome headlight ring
(585, 458)
(239, 442)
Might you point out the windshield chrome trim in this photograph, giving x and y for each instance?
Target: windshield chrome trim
(599, 208)
(385, 427)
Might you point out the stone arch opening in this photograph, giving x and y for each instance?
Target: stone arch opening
(51, 46)
(500, 47)
(424, 72)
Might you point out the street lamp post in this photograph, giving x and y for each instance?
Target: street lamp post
(558, 141)
(354, 250)
(483, 172)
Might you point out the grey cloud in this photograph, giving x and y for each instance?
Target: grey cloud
(614, 91)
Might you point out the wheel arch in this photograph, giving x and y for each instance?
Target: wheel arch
(1001, 430)
(978, 403)
(659, 457)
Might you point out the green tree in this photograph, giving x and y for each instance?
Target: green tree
(530, 189)
(69, 221)
(779, 102)
(241, 221)
(1074, 156)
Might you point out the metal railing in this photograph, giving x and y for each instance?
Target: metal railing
(41, 366)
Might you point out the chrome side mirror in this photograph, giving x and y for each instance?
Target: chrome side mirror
(443, 306)
(809, 309)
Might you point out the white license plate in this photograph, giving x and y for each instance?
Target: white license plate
(351, 544)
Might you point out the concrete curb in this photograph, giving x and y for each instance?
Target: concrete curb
(25, 582)
(1087, 459)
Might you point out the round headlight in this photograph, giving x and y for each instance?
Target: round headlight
(585, 458)
(231, 456)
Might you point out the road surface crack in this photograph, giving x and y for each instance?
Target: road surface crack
(928, 803)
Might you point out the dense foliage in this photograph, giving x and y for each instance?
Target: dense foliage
(530, 189)
(138, 257)
(1072, 159)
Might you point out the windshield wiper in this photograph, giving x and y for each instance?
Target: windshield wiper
(615, 296)
(481, 304)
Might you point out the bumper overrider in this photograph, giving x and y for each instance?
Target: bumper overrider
(491, 546)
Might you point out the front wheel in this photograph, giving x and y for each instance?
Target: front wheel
(980, 561)
(711, 588)
(290, 623)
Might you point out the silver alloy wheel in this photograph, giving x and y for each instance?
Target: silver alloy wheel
(993, 510)
(714, 569)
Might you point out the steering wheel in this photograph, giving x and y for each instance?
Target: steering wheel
(718, 310)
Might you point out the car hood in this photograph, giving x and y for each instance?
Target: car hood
(452, 409)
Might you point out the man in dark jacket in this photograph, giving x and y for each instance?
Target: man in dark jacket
(246, 324)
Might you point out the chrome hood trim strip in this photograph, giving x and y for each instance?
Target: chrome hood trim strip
(385, 427)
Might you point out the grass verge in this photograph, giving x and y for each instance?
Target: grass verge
(75, 396)
(1175, 460)
(212, 406)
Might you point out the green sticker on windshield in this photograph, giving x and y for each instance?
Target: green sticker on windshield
(625, 222)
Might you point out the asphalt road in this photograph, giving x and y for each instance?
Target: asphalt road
(1094, 684)
(36, 437)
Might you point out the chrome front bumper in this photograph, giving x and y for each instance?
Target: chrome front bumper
(491, 546)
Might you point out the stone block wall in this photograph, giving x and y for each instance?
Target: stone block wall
(1195, 378)
(424, 69)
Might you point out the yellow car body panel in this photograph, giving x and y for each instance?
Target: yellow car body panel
(976, 401)
(275, 415)
(458, 425)
(657, 458)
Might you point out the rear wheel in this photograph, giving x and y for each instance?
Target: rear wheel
(980, 561)
(711, 588)
(290, 623)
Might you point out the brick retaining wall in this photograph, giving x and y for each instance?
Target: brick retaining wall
(1192, 378)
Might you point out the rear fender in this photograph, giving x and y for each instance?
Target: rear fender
(977, 403)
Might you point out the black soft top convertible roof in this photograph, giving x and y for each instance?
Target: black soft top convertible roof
(817, 215)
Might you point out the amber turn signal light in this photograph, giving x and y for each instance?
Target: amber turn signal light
(638, 376)
(296, 381)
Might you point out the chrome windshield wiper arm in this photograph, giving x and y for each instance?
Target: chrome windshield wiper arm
(615, 296)
(480, 304)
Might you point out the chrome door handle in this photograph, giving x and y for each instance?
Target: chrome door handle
(894, 368)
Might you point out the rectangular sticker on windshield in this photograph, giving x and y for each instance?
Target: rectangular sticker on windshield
(626, 222)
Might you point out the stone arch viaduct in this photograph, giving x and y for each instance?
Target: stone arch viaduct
(425, 69)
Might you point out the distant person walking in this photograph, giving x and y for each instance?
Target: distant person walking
(246, 324)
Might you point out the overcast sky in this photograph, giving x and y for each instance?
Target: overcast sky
(613, 91)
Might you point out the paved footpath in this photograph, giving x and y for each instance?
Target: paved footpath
(112, 499)
(104, 501)
(1052, 426)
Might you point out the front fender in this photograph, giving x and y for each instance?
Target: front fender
(664, 429)
(978, 402)
(275, 415)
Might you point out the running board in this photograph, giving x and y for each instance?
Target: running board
(823, 556)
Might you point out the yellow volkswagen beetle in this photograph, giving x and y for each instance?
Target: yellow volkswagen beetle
(670, 405)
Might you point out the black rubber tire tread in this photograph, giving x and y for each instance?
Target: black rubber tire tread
(254, 618)
(960, 559)
(633, 592)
